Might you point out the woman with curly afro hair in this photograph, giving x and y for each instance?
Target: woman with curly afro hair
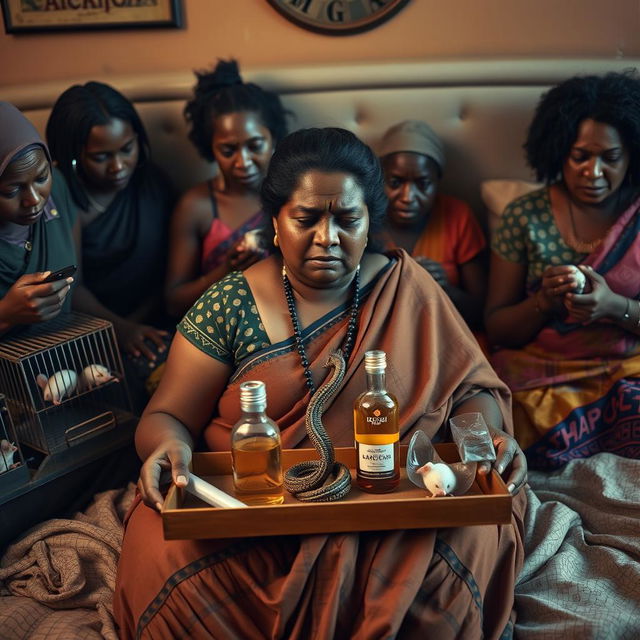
(218, 226)
(563, 293)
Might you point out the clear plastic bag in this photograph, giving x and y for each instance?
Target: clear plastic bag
(471, 435)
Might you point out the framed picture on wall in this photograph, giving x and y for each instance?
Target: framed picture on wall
(29, 16)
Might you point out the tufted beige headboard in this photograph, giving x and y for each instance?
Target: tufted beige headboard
(480, 108)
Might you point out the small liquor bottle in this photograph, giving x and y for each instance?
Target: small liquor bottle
(375, 419)
(256, 449)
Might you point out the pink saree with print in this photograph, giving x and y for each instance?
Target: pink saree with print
(576, 388)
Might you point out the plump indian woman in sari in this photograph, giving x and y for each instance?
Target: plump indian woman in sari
(218, 226)
(563, 296)
(325, 290)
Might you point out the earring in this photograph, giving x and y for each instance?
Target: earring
(275, 239)
(74, 165)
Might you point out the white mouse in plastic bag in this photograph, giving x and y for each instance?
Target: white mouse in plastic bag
(438, 478)
(427, 470)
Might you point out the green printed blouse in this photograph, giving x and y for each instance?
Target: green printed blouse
(528, 234)
(224, 322)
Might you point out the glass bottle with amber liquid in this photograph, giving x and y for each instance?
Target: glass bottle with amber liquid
(375, 418)
(256, 449)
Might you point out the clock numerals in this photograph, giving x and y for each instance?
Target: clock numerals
(301, 5)
(338, 17)
(331, 10)
(335, 11)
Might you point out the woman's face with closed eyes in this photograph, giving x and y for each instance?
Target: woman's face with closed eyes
(597, 163)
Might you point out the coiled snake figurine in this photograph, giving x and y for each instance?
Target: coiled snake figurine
(306, 480)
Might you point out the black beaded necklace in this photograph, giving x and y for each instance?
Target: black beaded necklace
(347, 344)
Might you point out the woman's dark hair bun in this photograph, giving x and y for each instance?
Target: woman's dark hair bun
(225, 74)
(221, 91)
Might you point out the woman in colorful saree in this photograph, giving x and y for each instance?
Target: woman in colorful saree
(324, 193)
(570, 345)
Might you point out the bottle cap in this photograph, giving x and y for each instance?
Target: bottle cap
(375, 361)
(253, 396)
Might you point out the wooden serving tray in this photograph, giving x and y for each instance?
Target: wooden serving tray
(185, 516)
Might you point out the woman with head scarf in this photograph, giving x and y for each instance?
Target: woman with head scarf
(438, 230)
(36, 223)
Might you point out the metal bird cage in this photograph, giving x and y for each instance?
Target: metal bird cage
(64, 382)
(13, 471)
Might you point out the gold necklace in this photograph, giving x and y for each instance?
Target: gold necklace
(574, 242)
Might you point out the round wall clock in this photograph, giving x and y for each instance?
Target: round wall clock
(338, 17)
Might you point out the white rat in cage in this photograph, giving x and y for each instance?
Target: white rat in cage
(60, 385)
(438, 478)
(7, 451)
(94, 375)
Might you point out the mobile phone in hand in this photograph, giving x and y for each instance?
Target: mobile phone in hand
(60, 274)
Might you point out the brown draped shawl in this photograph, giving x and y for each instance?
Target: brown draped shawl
(433, 362)
(447, 583)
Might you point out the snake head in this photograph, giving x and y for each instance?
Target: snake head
(335, 359)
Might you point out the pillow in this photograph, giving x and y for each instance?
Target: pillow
(497, 194)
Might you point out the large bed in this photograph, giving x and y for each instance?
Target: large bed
(581, 577)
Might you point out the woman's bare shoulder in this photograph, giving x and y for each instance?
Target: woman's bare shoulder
(264, 274)
(194, 206)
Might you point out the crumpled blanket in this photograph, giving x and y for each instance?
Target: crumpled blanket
(57, 581)
(580, 580)
(581, 575)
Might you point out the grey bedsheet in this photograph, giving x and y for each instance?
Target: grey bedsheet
(581, 577)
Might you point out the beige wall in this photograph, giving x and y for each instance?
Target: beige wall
(257, 36)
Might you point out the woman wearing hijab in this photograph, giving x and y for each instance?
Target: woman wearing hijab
(37, 218)
(438, 230)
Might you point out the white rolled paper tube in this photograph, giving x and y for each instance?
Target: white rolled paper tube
(210, 494)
